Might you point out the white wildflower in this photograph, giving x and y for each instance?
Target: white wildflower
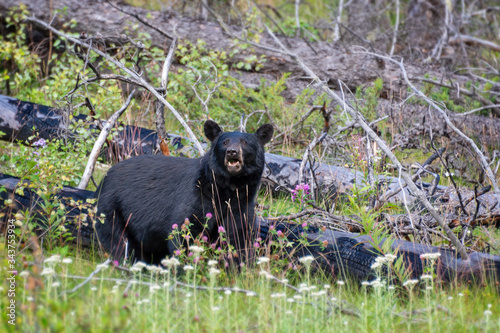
(53, 260)
(390, 257)
(135, 269)
(24, 274)
(196, 249)
(188, 268)
(215, 308)
(213, 271)
(166, 262)
(139, 264)
(426, 277)
(381, 260)
(67, 261)
(228, 292)
(48, 271)
(410, 282)
(307, 260)
(56, 284)
(340, 282)
(262, 260)
(212, 262)
(251, 293)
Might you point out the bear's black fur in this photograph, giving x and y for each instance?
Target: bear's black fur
(144, 196)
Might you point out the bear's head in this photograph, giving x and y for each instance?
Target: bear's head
(238, 153)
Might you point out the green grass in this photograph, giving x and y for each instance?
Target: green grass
(102, 305)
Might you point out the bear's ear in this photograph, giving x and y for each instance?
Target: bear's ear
(212, 130)
(265, 133)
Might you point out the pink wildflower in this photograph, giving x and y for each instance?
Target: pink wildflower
(174, 226)
(209, 216)
(221, 229)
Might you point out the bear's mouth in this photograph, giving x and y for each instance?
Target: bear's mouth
(233, 165)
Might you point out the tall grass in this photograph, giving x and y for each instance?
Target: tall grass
(176, 298)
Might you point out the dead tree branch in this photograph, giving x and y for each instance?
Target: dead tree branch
(100, 141)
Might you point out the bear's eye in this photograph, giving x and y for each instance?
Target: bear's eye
(243, 142)
(225, 142)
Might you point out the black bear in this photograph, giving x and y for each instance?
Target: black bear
(143, 197)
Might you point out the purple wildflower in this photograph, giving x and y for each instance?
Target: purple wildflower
(175, 226)
(190, 254)
(304, 225)
(302, 189)
(177, 252)
(204, 238)
(221, 229)
(209, 216)
(256, 245)
(40, 143)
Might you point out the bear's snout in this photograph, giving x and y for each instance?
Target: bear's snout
(234, 160)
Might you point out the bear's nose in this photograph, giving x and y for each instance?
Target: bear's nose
(231, 153)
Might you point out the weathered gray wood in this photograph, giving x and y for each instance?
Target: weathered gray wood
(345, 254)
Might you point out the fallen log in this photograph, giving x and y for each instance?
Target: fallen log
(20, 120)
(341, 253)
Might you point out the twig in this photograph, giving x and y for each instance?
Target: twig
(396, 26)
(297, 20)
(315, 142)
(336, 29)
(133, 74)
(419, 194)
(160, 107)
(476, 41)
(492, 106)
(89, 168)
